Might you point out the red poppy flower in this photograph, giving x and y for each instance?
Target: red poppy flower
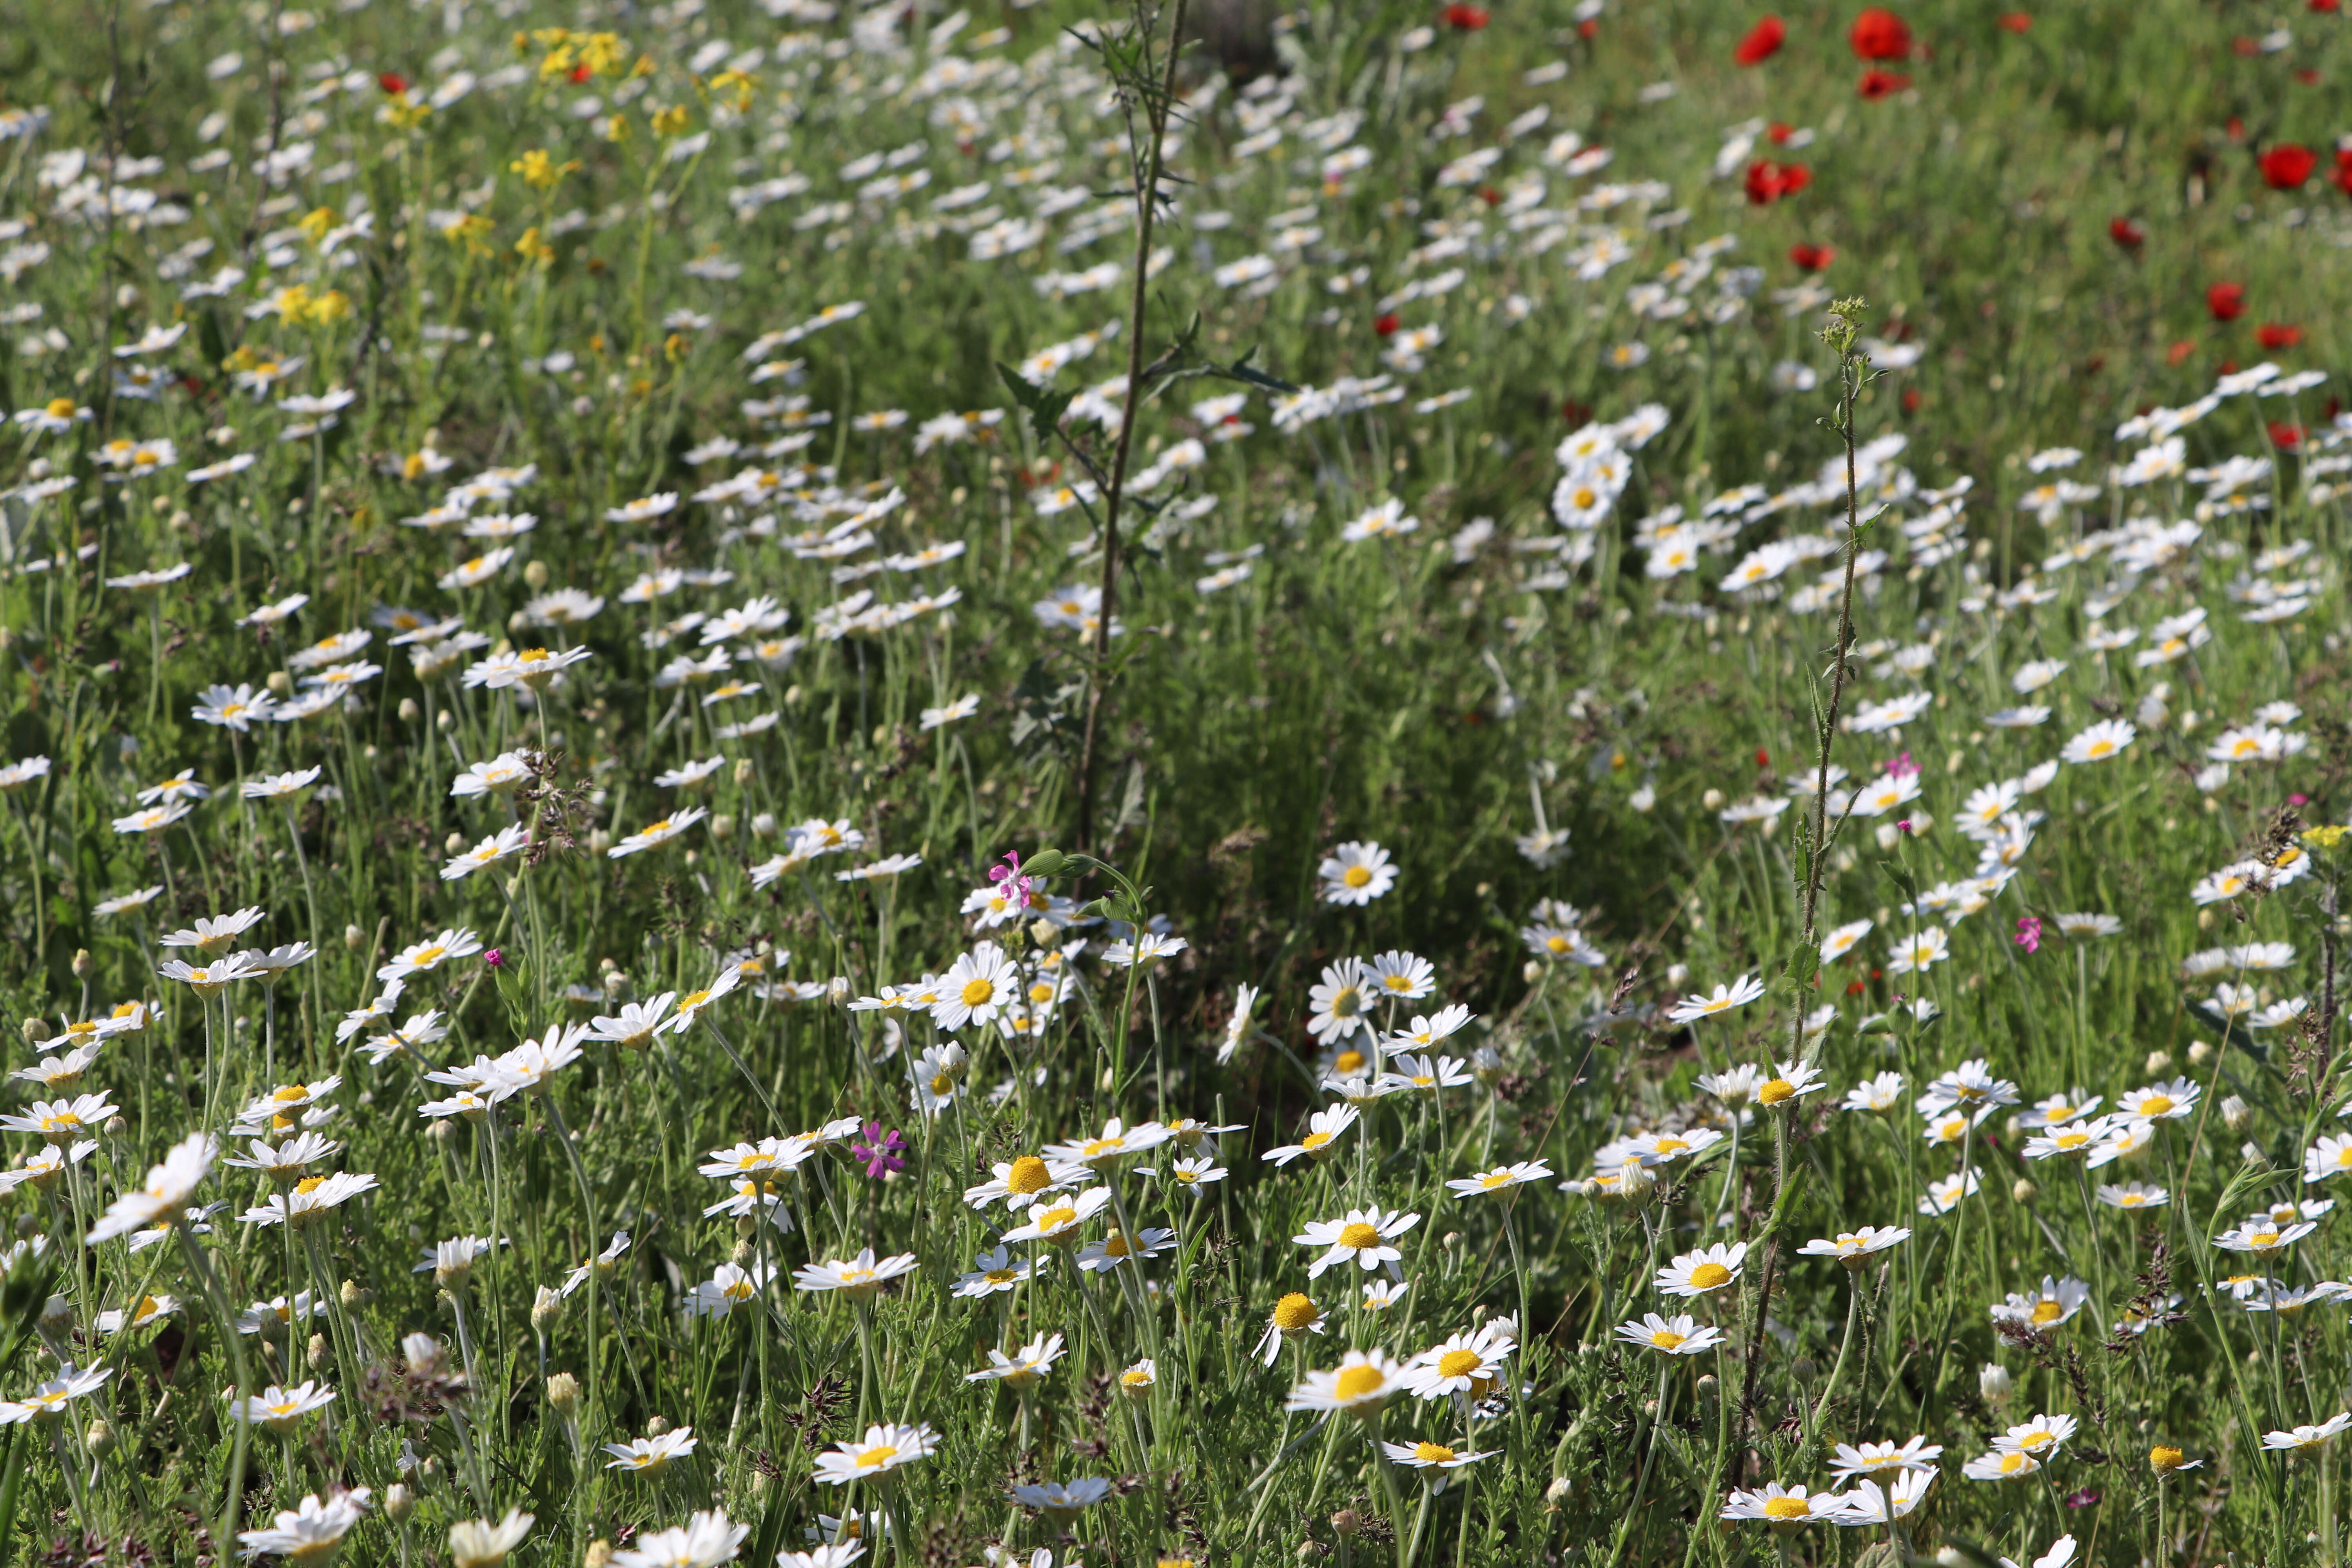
(1811, 258)
(1880, 35)
(1588, 28)
(579, 75)
(1780, 131)
(1763, 758)
(2245, 45)
(1878, 84)
(1465, 18)
(2278, 335)
(2226, 300)
(2341, 178)
(2013, 21)
(1762, 42)
(2286, 437)
(2327, 5)
(2126, 233)
(2227, 367)
(1910, 400)
(393, 82)
(1386, 325)
(1768, 181)
(2179, 354)
(2287, 165)
(1489, 194)
(2308, 77)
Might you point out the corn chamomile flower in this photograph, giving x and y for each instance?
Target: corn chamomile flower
(1356, 873)
(2073, 1141)
(2133, 1195)
(859, 1278)
(1679, 1335)
(885, 1449)
(1878, 1460)
(1783, 1507)
(1361, 1235)
(1722, 999)
(1323, 1128)
(2300, 1438)
(1294, 1315)
(1057, 1220)
(1117, 1142)
(1118, 1246)
(730, 1286)
(652, 1456)
(992, 1272)
(1704, 1271)
(312, 1532)
(1854, 1247)
(2001, 1465)
(1469, 1363)
(1024, 1367)
(1502, 1178)
(2263, 1237)
(2162, 1101)
(2056, 1301)
(1436, 1460)
(279, 1409)
(1359, 1386)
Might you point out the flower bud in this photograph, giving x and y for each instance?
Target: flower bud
(1559, 1490)
(33, 1031)
(351, 1295)
(2199, 1053)
(739, 1254)
(535, 574)
(765, 825)
(2023, 1191)
(546, 1312)
(453, 845)
(563, 1393)
(599, 841)
(116, 1126)
(1531, 971)
(1994, 1382)
(838, 991)
(316, 1353)
(1042, 933)
(600, 1552)
(793, 696)
(408, 711)
(2158, 1063)
(280, 683)
(100, 1438)
(354, 938)
(744, 772)
(658, 1427)
(57, 1315)
(1712, 800)
(398, 1500)
(722, 827)
(82, 964)
(2236, 1113)
(1346, 1522)
(1710, 1392)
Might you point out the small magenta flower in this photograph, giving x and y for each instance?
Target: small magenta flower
(1903, 767)
(1009, 877)
(496, 958)
(1903, 825)
(880, 1152)
(2029, 933)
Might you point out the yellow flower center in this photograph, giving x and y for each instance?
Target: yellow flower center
(1787, 1508)
(2032, 1440)
(2047, 1312)
(1667, 1339)
(1295, 1311)
(1459, 1364)
(1710, 1277)
(1356, 876)
(2071, 1141)
(1135, 1377)
(1041, 992)
(1316, 1141)
(427, 957)
(1496, 1179)
(1028, 1174)
(61, 408)
(976, 993)
(292, 1094)
(874, 1458)
(1001, 1275)
(942, 1084)
(2162, 1458)
(1055, 1218)
(2156, 1104)
(1359, 1234)
(1432, 1453)
(1357, 1381)
(309, 1183)
(1114, 1245)
(1559, 945)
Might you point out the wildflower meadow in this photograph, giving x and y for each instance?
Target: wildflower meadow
(1167, 783)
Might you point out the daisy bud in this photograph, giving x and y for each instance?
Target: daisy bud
(765, 825)
(1994, 1382)
(2164, 1460)
(1951, 1557)
(563, 1393)
(2199, 1053)
(442, 1132)
(722, 827)
(546, 1312)
(1712, 800)
(1642, 799)
(454, 845)
(2235, 1114)
(353, 939)
(100, 1438)
(1531, 972)
(1042, 933)
(793, 696)
(599, 841)
(2205, 919)
(1804, 1369)
(315, 1352)
(57, 1315)
(2251, 1153)
(116, 1126)
(739, 1254)
(351, 1295)
(600, 1552)
(615, 982)
(34, 1030)
(519, 621)
(536, 575)
(398, 1502)
(746, 1227)
(2023, 1191)
(445, 721)
(743, 770)
(1558, 1492)
(838, 991)
(657, 1426)
(1887, 837)
(1709, 1392)
(408, 711)
(1347, 1522)
(82, 963)
(2158, 1063)
(280, 683)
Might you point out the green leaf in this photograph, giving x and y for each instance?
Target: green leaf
(1046, 407)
